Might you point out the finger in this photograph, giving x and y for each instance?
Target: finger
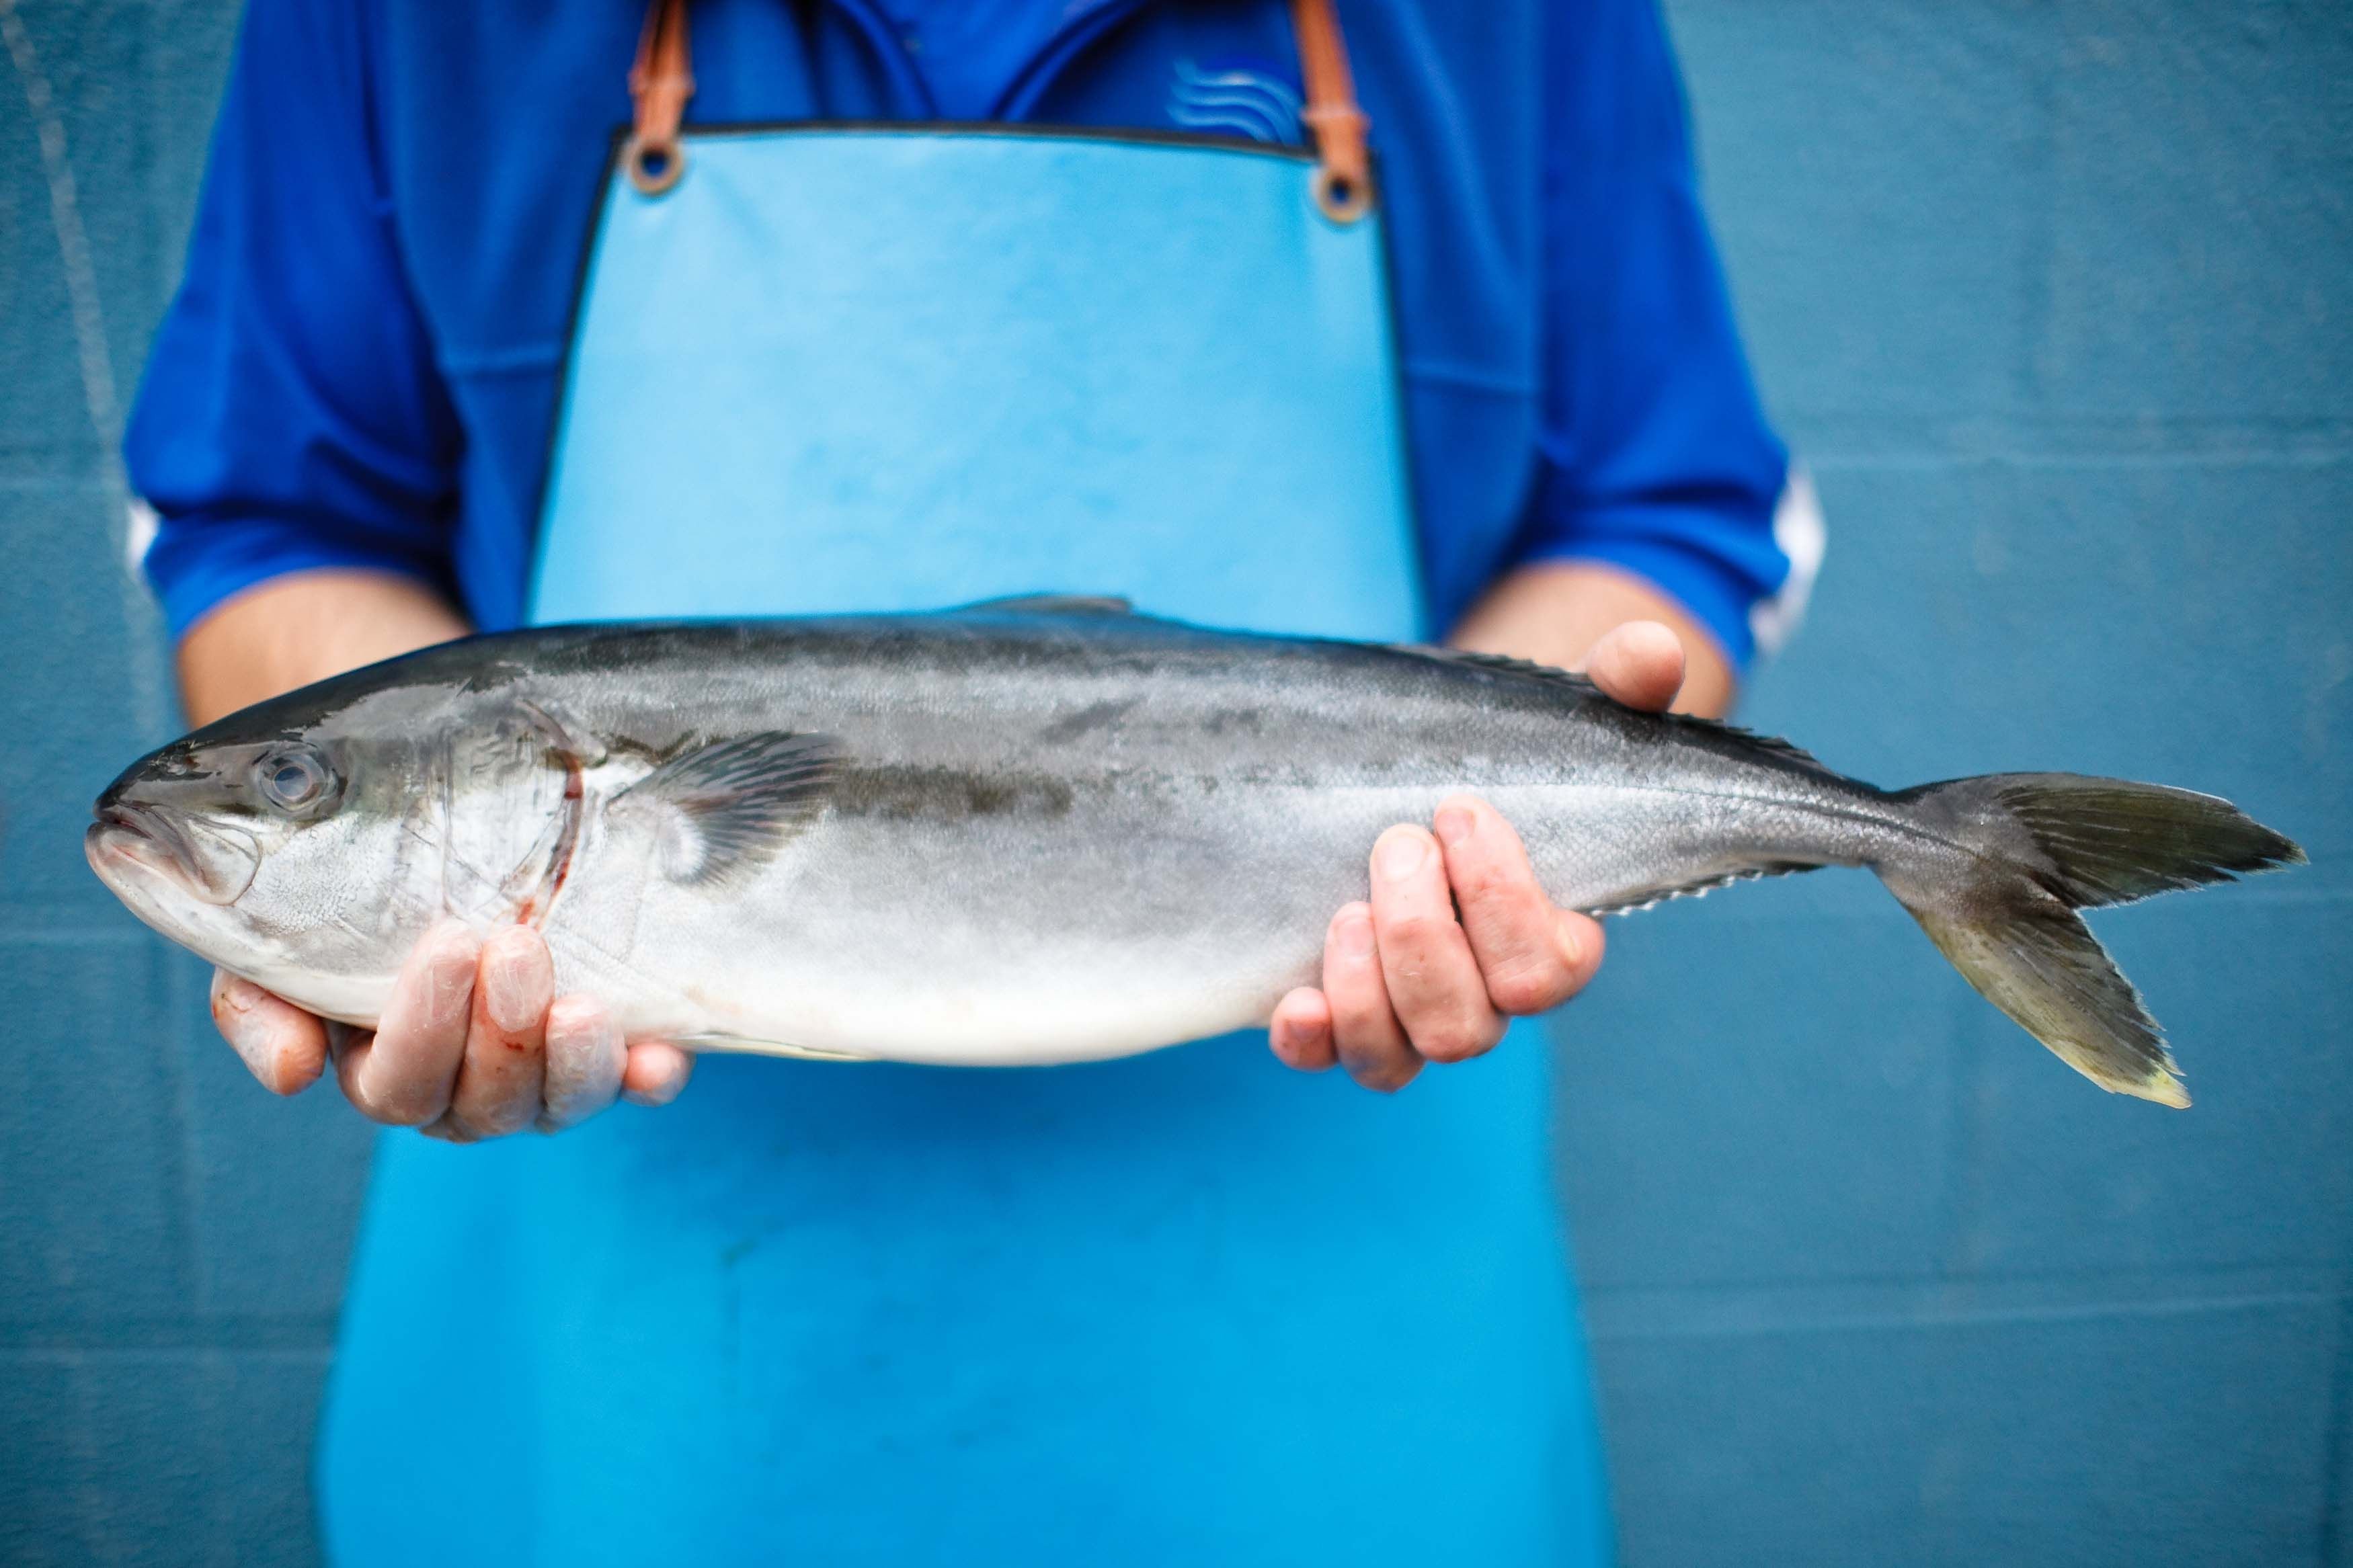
(1532, 956)
(655, 1072)
(402, 1073)
(1365, 1033)
(282, 1045)
(585, 1059)
(1434, 983)
(1641, 664)
(1301, 1030)
(502, 1082)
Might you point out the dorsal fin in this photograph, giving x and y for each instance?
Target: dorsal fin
(1506, 663)
(1053, 605)
(1772, 745)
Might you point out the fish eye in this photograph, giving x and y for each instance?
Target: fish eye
(293, 779)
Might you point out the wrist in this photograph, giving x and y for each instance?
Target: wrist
(304, 627)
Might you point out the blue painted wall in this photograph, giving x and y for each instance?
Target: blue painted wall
(2058, 299)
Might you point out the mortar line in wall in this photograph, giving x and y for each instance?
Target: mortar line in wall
(2334, 1452)
(2120, 1287)
(180, 1004)
(302, 1334)
(95, 362)
(2039, 242)
(1969, 1153)
(1602, 1331)
(47, 481)
(88, 936)
(91, 1355)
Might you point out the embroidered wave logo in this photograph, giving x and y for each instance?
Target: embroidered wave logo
(1232, 100)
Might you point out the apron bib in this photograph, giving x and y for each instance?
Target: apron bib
(1183, 1308)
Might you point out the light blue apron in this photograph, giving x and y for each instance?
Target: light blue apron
(1188, 1308)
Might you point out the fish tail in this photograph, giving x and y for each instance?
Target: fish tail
(2020, 853)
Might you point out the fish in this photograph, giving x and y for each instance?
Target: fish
(1048, 829)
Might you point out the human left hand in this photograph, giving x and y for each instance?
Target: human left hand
(1406, 980)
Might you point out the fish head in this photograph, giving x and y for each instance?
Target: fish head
(308, 842)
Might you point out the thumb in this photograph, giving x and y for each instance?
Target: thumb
(282, 1045)
(1640, 664)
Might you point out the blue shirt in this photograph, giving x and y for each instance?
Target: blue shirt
(360, 367)
(970, 53)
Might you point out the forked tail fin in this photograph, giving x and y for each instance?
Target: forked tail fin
(2032, 848)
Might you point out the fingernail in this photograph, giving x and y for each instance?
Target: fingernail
(656, 1094)
(654, 1078)
(513, 988)
(507, 998)
(1572, 945)
(233, 1000)
(256, 1047)
(1454, 826)
(1356, 934)
(454, 948)
(1400, 854)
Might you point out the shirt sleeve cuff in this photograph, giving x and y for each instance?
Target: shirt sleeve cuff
(196, 564)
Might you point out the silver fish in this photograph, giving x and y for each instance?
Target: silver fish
(1047, 830)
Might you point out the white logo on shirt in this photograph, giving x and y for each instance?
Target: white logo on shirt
(1235, 100)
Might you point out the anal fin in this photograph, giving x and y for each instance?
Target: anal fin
(1702, 886)
(746, 1045)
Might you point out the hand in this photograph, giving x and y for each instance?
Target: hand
(1405, 981)
(473, 1044)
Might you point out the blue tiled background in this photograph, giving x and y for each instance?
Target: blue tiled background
(2058, 300)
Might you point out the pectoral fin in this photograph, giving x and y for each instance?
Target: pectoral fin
(728, 807)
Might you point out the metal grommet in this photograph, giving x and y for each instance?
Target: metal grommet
(1340, 198)
(654, 166)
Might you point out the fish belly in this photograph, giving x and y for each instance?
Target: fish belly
(1115, 926)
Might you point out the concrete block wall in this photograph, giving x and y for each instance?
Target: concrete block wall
(2056, 299)
(172, 1241)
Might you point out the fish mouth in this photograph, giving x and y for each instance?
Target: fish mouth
(208, 861)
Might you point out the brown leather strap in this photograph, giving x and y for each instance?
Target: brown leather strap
(662, 81)
(1343, 181)
(659, 84)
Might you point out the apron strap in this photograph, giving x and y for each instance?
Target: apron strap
(659, 84)
(1344, 177)
(662, 79)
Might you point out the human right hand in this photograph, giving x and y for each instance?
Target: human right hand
(1458, 937)
(473, 1044)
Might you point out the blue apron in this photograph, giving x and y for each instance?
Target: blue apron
(1183, 1307)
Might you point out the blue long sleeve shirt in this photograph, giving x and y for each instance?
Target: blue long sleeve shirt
(361, 366)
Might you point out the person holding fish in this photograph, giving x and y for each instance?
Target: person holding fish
(1406, 331)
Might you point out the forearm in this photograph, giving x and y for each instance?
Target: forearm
(1554, 613)
(302, 628)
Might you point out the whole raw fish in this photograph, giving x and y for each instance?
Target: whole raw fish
(1046, 830)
